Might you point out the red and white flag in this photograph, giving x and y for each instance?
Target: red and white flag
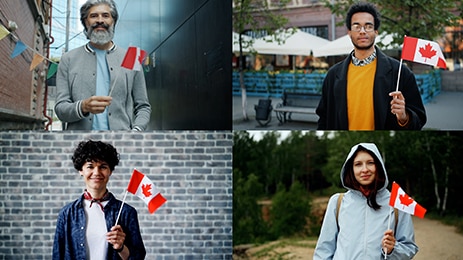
(423, 51)
(144, 188)
(401, 201)
(133, 58)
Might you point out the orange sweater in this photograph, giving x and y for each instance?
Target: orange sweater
(360, 107)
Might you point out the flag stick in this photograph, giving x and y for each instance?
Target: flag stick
(122, 205)
(388, 227)
(398, 76)
(114, 83)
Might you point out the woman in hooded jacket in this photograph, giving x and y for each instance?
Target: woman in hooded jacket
(359, 228)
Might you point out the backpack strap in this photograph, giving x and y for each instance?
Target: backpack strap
(396, 213)
(337, 208)
(396, 218)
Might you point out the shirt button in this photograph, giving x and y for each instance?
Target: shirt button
(81, 244)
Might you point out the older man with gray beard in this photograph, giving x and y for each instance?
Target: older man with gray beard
(88, 74)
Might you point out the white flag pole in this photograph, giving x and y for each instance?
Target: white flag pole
(122, 205)
(114, 83)
(388, 227)
(398, 77)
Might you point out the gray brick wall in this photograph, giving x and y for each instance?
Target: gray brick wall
(193, 170)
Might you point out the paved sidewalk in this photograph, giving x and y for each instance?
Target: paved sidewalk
(444, 112)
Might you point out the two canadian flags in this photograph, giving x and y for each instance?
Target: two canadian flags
(401, 201)
(144, 188)
(133, 59)
(423, 51)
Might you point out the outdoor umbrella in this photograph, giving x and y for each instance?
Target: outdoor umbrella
(236, 44)
(343, 46)
(299, 43)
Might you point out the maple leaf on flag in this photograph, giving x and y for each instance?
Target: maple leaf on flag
(427, 52)
(405, 200)
(146, 189)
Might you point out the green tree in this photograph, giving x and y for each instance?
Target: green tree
(290, 210)
(248, 225)
(424, 19)
(256, 15)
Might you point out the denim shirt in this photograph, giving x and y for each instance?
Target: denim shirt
(70, 230)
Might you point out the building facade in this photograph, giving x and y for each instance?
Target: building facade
(23, 91)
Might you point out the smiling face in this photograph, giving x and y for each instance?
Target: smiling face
(100, 24)
(364, 168)
(363, 40)
(96, 175)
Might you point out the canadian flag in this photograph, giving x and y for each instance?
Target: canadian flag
(141, 186)
(133, 58)
(401, 201)
(423, 51)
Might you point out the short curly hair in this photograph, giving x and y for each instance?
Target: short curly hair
(363, 7)
(95, 151)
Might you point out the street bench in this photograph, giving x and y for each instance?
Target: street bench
(296, 102)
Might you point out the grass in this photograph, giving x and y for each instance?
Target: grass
(283, 249)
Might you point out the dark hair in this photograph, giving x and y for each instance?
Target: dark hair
(85, 8)
(95, 151)
(362, 7)
(380, 177)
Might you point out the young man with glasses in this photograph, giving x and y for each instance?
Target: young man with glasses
(359, 92)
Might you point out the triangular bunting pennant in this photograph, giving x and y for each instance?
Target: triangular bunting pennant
(36, 61)
(3, 32)
(52, 70)
(18, 49)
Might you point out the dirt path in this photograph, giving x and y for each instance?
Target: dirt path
(437, 241)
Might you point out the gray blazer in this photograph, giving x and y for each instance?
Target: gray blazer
(76, 81)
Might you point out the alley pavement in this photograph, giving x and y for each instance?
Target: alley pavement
(444, 112)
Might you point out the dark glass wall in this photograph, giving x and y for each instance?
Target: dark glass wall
(189, 86)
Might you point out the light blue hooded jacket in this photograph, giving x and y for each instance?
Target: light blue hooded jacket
(361, 228)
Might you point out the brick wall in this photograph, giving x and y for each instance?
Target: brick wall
(192, 170)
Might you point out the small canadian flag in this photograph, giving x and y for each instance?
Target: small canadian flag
(401, 201)
(423, 51)
(144, 188)
(133, 58)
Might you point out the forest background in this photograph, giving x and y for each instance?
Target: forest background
(291, 172)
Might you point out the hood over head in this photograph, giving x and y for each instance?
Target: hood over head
(373, 149)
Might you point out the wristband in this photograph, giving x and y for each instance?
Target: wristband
(120, 249)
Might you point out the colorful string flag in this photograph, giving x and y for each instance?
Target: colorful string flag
(3, 32)
(144, 188)
(52, 70)
(18, 49)
(401, 201)
(133, 59)
(421, 51)
(36, 61)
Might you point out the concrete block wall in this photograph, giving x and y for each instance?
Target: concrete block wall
(193, 170)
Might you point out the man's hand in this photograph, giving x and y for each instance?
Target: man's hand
(116, 237)
(95, 104)
(398, 107)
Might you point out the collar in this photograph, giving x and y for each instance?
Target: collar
(99, 201)
(364, 62)
(89, 49)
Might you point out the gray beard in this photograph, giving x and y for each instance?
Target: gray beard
(101, 37)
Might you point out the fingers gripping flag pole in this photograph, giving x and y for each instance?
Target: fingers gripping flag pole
(144, 188)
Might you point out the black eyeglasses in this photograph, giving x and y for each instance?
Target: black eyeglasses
(367, 27)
